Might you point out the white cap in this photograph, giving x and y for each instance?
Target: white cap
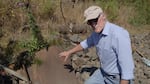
(92, 13)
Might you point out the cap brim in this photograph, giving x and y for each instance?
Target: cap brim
(91, 17)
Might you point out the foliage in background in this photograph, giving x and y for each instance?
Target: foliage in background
(37, 41)
(110, 7)
(140, 16)
(38, 17)
(47, 9)
(7, 18)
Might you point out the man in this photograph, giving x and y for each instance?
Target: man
(113, 48)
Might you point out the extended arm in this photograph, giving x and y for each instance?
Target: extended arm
(66, 54)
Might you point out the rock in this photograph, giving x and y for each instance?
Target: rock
(77, 62)
(92, 53)
(80, 28)
(75, 38)
(85, 75)
(63, 29)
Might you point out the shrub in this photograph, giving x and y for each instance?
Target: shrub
(110, 7)
(142, 16)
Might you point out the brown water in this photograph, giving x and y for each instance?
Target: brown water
(52, 69)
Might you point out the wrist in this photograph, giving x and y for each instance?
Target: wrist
(124, 81)
(69, 52)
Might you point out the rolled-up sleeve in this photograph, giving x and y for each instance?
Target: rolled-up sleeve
(84, 44)
(89, 42)
(124, 53)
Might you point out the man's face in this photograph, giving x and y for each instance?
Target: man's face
(98, 23)
(92, 23)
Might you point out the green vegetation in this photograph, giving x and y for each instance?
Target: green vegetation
(37, 42)
(47, 9)
(110, 7)
(21, 51)
(140, 15)
(27, 27)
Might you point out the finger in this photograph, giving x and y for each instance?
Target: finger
(60, 55)
(65, 58)
(62, 58)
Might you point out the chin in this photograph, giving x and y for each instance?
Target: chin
(97, 31)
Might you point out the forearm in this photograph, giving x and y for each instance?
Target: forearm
(124, 81)
(75, 49)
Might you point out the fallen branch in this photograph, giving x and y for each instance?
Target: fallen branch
(139, 53)
(144, 60)
(14, 73)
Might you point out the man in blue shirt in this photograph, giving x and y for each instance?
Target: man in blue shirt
(113, 47)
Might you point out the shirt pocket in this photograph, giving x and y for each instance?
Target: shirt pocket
(106, 54)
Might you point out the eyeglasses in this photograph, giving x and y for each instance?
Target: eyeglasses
(93, 21)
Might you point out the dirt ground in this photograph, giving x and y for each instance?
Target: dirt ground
(52, 70)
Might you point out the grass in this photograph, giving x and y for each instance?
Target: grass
(130, 14)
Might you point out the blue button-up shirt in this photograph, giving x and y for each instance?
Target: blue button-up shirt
(113, 47)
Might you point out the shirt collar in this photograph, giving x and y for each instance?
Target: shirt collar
(106, 29)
